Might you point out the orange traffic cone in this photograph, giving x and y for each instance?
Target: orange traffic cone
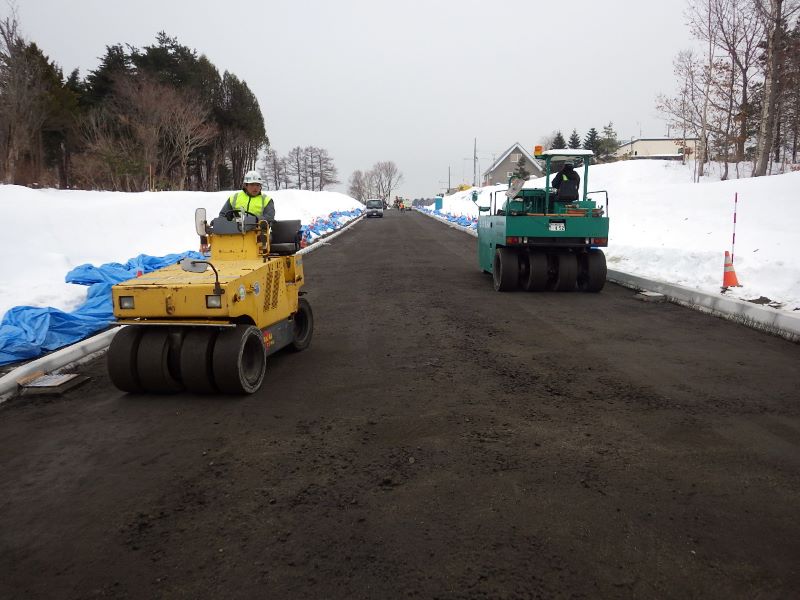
(729, 275)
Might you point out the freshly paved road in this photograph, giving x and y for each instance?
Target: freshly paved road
(438, 440)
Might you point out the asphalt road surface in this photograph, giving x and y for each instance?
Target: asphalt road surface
(437, 440)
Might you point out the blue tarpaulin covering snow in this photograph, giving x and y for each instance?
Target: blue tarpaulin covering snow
(464, 221)
(27, 332)
(323, 225)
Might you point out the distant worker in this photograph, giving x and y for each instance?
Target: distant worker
(567, 184)
(250, 199)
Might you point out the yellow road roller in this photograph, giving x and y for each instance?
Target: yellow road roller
(207, 326)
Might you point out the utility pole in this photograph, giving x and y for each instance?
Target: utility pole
(448, 178)
(475, 164)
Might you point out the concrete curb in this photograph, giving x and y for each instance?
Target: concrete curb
(10, 382)
(94, 346)
(766, 319)
(752, 315)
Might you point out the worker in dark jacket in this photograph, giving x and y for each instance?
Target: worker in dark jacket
(567, 184)
(250, 199)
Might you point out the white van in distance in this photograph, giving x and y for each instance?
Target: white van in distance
(374, 208)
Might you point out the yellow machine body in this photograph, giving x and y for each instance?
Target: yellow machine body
(255, 290)
(208, 326)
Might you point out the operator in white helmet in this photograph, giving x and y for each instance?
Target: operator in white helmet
(250, 199)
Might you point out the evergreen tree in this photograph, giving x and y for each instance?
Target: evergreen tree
(60, 137)
(100, 82)
(521, 171)
(558, 141)
(591, 140)
(36, 110)
(607, 145)
(206, 159)
(574, 140)
(241, 125)
(168, 61)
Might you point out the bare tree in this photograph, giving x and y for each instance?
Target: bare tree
(775, 15)
(159, 127)
(187, 129)
(295, 166)
(701, 23)
(328, 172)
(358, 186)
(386, 178)
(285, 179)
(722, 97)
(143, 106)
(684, 110)
(309, 167)
(242, 150)
(371, 180)
(713, 102)
(111, 161)
(739, 33)
(23, 107)
(274, 168)
(792, 100)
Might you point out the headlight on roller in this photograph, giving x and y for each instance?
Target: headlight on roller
(126, 302)
(213, 301)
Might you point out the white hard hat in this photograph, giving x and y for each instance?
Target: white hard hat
(253, 177)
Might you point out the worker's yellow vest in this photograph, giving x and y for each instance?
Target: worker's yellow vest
(253, 204)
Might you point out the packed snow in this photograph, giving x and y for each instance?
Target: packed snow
(665, 227)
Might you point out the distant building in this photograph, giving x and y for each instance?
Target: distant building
(504, 167)
(656, 148)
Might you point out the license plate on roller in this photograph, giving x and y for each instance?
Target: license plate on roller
(557, 227)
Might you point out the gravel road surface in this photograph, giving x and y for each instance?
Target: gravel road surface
(437, 440)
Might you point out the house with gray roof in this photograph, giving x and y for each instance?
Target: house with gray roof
(504, 167)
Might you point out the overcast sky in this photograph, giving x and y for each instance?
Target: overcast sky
(413, 81)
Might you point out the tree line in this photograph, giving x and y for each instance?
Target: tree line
(308, 168)
(740, 96)
(379, 182)
(158, 117)
(603, 145)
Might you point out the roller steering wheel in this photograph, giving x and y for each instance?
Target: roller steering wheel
(235, 212)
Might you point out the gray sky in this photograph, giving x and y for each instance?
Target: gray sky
(412, 81)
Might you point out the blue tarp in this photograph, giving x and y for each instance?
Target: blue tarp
(471, 222)
(27, 332)
(323, 225)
